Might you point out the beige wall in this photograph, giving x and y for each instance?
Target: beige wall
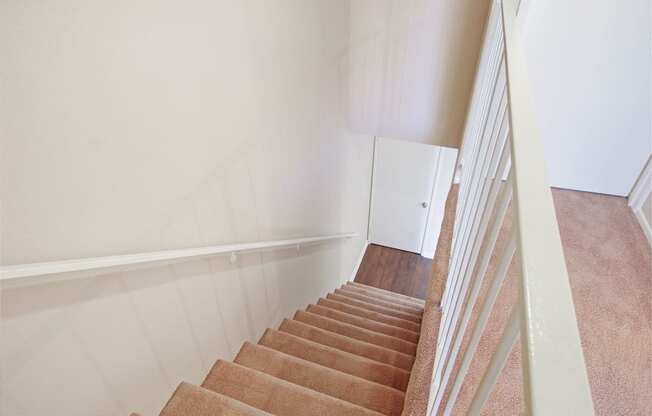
(143, 125)
(412, 66)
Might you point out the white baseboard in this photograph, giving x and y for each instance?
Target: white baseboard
(359, 261)
(640, 192)
(645, 225)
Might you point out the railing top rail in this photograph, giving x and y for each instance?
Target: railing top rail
(556, 381)
(95, 263)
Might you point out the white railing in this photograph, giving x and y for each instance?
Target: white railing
(158, 257)
(502, 162)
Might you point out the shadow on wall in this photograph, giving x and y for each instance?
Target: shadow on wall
(412, 65)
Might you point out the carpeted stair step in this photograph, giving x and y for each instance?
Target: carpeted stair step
(383, 296)
(355, 332)
(374, 316)
(380, 302)
(365, 323)
(375, 308)
(373, 289)
(370, 395)
(274, 395)
(347, 344)
(189, 400)
(345, 362)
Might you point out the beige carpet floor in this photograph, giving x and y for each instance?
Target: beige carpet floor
(610, 269)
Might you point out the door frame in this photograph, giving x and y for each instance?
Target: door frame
(442, 180)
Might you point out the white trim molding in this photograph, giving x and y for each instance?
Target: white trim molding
(446, 166)
(637, 197)
(356, 267)
(166, 256)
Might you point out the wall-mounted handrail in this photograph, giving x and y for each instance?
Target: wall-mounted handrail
(95, 263)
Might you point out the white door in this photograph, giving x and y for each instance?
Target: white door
(403, 179)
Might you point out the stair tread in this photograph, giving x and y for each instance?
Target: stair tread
(190, 400)
(343, 361)
(384, 303)
(275, 395)
(387, 292)
(358, 333)
(383, 296)
(365, 313)
(347, 344)
(365, 393)
(375, 308)
(365, 323)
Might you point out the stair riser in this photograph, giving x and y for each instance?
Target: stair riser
(387, 292)
(380, 296)
(364, 323)
(336, 359)
(385, 304)
(360, 334)
(343, 343)
(364, 313)
(189, 400)
(274, 395)
(374, 308)
(324, 380)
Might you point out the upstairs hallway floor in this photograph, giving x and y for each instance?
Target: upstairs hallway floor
(395, 270)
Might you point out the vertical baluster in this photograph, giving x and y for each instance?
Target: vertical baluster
(475, 180)
(470, 231)
(510, 334)
(476, 208)
(479, 127)
(488, 79)
(456, 286)
(483, 316)
(487, 82)
(493, 214)
(466, 193)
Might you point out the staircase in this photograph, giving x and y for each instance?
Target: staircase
(351, 353)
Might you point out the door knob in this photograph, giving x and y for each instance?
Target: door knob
(424, 204)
